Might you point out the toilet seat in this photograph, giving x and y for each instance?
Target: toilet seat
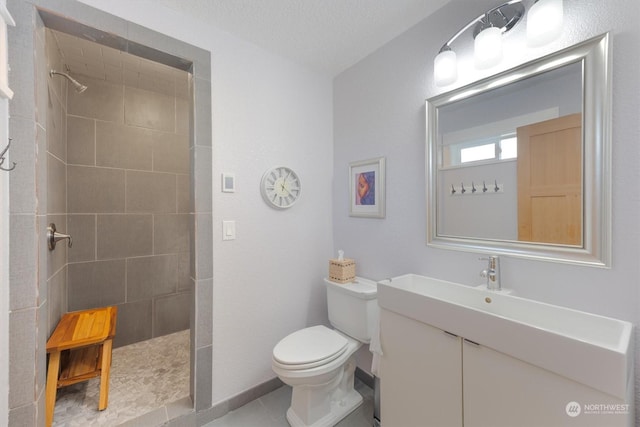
(309, 348)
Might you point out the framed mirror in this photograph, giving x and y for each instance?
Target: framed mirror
(519, 163)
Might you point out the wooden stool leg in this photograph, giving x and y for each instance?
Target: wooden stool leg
(104, 374)
(52, 386)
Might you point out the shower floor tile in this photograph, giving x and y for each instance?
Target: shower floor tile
(145, 377)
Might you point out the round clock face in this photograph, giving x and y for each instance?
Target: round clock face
(280, 187)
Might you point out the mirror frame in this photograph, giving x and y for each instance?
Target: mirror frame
(594, 54)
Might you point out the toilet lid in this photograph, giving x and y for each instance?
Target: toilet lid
(310, 347)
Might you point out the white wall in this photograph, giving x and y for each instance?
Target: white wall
(267, 111)
(379, 111)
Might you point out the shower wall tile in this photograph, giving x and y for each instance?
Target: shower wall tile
(204, 311)
(120, 146)
(171, 233)
(81, 145)
(56, 185)
(95, 190)
(171, 314)
(204, 246)
(22, 180)
(202, 94)
(153, 83)
(149, 109)
(22, 356)
(42, 172)
(137, 317)
(96, 284)
(22, 70)
(144, 37)
(41, 76)
(171, 153)
(42, 263)
(56, 123)
(54, 61)
(23, 241)
(202, 65)
(23, 416)
(42, 320)
(80, 12)
(121, 236)
(57, 258)
(184, 271)
(40, 409)
(83, 230)
(203, 378)
(202, 185)
(102, 100)
(129, 198)
(182, 194)
(113, 74)
(56, 299)
(150, 192)
(182, 110)
(151, 276)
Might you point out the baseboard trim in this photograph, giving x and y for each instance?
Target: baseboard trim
(221, 409)
(365, 377)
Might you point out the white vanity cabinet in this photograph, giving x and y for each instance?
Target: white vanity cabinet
(420, 374)
(429, 377)
(502, 391)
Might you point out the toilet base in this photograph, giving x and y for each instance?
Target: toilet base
(339, 410)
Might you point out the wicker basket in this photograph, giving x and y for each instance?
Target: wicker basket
(342, 271)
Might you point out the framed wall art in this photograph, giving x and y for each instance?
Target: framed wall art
(366, 186)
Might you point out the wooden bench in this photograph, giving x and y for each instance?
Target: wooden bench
(80, 349)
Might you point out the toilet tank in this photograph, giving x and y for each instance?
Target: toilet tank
(353, 307)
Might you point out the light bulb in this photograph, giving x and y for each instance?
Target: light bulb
(544, 22)
(488, 48)
(445, 68)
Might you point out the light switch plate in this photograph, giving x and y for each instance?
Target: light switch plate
(228, 230)
(228, 183)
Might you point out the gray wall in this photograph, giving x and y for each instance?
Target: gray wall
(128, 205)
(379, 110)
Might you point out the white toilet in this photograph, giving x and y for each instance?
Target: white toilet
(319, 363)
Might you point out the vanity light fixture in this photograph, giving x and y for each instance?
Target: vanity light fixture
(544, 24)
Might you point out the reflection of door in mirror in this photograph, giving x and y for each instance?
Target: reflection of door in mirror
(550, 181)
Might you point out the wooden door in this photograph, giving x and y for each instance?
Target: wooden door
(550, 181)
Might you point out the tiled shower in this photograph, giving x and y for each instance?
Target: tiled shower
(118, 183)
(38, 288)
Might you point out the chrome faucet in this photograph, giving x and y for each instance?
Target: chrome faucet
(492, 273)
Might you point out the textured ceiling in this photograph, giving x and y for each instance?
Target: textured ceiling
(326, 35)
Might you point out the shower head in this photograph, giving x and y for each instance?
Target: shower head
(79, 87)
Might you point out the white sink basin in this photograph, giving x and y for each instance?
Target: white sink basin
(594, 350)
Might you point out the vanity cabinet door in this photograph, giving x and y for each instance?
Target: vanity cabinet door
(420, 375)
(502, 391)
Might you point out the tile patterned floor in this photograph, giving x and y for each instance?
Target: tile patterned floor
(149, 376)
(270, 411)
(150, 385)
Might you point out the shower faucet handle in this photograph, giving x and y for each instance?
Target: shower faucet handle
(53, 237)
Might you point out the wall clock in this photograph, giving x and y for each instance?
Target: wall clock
(280, 187)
